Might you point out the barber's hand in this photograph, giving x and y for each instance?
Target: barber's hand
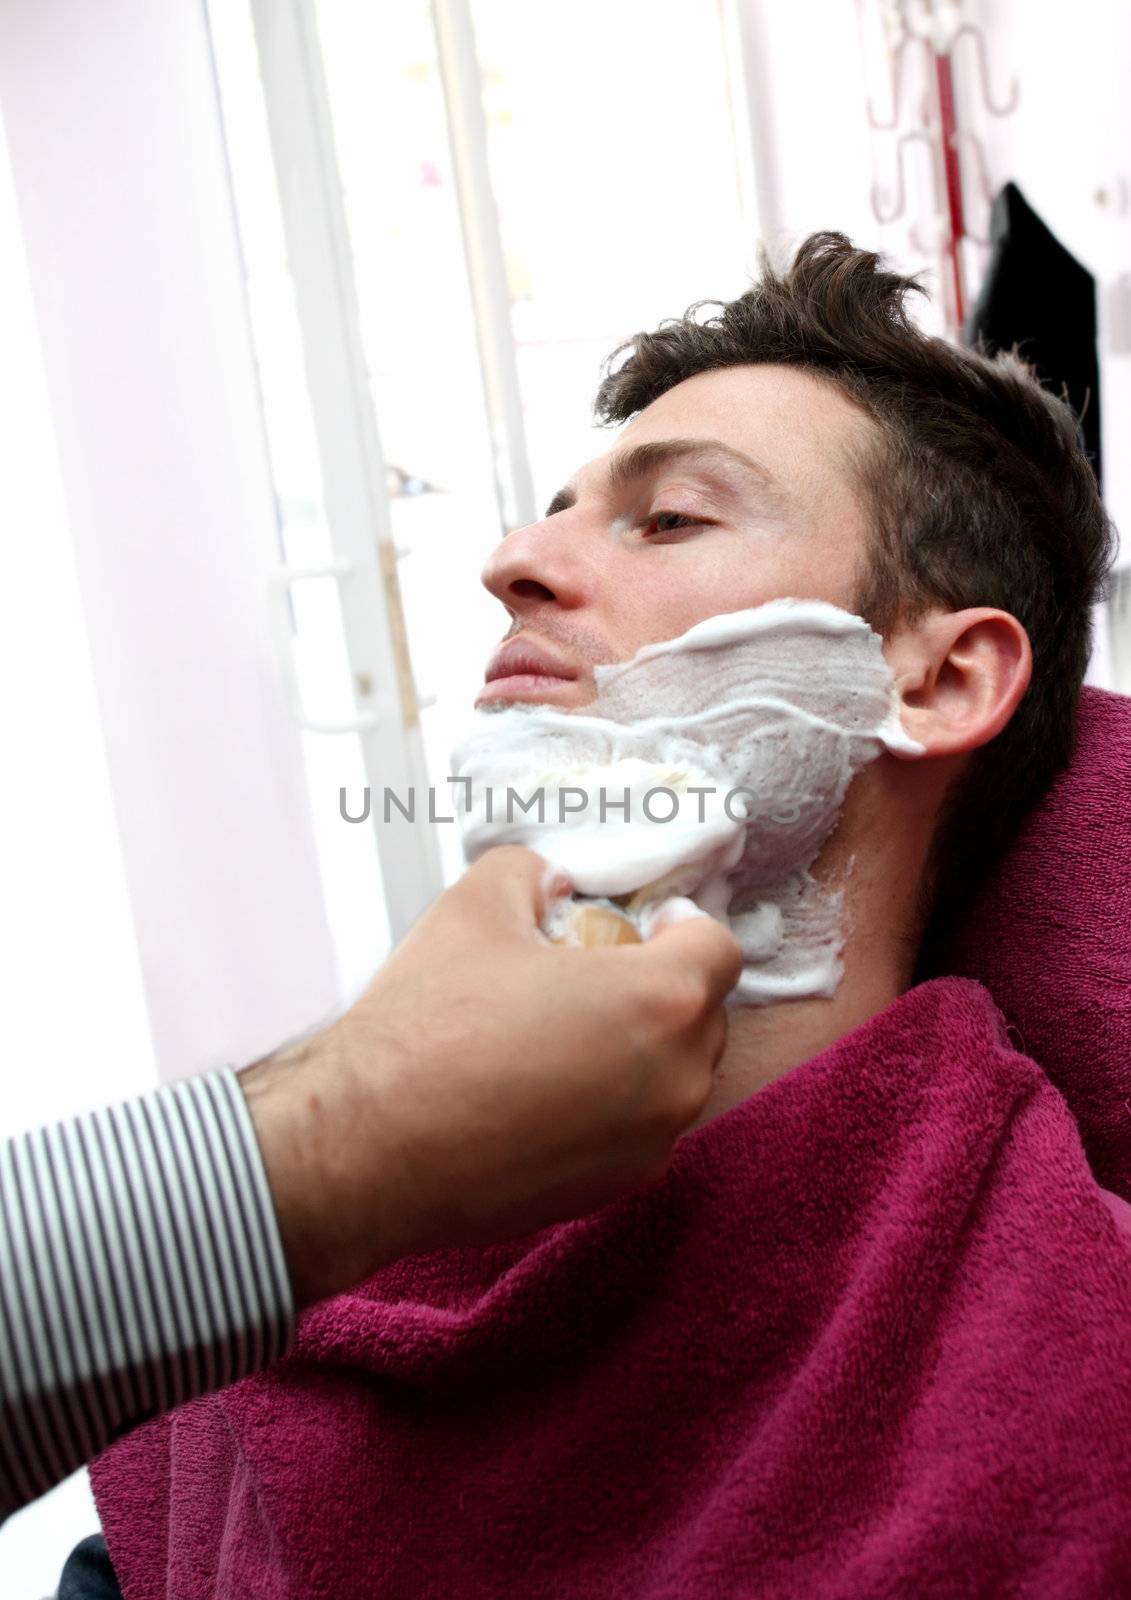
(488, 1083)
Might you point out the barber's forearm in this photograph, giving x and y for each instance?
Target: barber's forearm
(140, 1265)
(332, 1163)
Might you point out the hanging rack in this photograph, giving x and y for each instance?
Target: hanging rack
(933, 31)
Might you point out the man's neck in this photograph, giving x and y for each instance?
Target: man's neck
(765, 1042)
(875, 859)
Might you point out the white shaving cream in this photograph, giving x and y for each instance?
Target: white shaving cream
(712, 766)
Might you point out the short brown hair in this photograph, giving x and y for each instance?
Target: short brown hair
(981, 492)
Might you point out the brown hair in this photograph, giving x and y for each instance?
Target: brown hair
(982, 497)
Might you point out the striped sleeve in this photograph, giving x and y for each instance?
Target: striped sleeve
(140, 1265)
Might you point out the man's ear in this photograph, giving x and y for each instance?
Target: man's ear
(960, 676)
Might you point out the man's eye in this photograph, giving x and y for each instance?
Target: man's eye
(670, 522)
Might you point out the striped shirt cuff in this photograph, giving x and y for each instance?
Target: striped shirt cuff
(140, 1265)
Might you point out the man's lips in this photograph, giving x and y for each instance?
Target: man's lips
(521, 670)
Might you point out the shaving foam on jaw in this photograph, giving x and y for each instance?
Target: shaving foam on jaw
(712, 767)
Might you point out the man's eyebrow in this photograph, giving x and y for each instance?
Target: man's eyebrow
(645, 459)
(561, 502)
(642, 460)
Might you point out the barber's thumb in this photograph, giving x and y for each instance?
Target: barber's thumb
(511, 883)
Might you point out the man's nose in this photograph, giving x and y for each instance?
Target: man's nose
(534, 567)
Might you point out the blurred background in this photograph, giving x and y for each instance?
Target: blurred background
(303, 304)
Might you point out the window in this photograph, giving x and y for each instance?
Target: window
(520, 191)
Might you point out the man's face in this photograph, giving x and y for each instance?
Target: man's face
(734, 488)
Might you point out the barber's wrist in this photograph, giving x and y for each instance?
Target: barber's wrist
(311, 1116)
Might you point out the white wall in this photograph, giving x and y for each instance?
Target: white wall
(805, 98)
(115, 145)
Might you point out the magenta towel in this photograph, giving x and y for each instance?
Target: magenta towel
(868, 1337)
(1051, 936)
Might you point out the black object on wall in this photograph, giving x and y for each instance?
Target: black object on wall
(1037, 296)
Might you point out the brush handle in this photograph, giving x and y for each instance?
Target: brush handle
(595, 925)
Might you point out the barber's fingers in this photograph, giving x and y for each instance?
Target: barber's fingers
(697, 946)
(511, 888)
(659, 914)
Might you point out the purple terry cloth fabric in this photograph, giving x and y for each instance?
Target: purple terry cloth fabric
(866, 1337)
(1050, 936)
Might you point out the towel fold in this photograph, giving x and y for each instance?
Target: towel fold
(867, 1337)
(1050, 936)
